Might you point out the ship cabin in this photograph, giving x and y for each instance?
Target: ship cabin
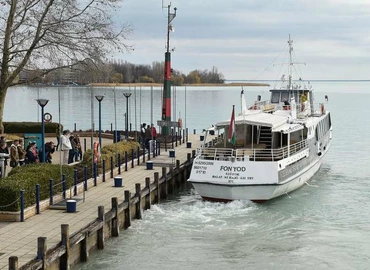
(267, 133)
(260, 137)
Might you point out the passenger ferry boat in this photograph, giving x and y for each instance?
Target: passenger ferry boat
(269, 149)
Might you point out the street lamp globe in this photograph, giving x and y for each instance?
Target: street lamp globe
(42, 102)
(99, 98)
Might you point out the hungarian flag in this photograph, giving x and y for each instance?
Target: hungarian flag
(231, 137)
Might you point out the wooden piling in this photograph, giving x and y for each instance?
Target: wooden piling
(100, 232)
(13, 263)
(115, 220)
(138, 204)
(64, 259)
(41, 251)
(128, 209)
(158, 194)
(84, 251)
(148, 198)
(178, 175)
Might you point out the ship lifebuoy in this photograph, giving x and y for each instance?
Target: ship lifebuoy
(96, 151)
(179, 123)
(322, 108)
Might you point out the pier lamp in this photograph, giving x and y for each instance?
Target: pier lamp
(127, 95)
(99, 98)
(42, 103)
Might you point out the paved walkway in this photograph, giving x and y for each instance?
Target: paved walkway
(20, 238)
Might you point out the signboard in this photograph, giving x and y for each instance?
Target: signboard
(227, 172)
(163, 123)
(32, 137)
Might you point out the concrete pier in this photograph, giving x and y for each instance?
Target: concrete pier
(21, 242)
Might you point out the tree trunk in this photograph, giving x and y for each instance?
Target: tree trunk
(3, 90)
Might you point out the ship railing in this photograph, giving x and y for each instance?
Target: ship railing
(257, 154)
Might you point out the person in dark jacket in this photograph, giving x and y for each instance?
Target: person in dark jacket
(4, 150)
(31, 153)
(49, 150)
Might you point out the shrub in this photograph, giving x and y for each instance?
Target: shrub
(26, 177)
(105, 154)
(28, 127)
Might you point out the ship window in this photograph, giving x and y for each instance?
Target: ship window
(275, 97)
(285, 96)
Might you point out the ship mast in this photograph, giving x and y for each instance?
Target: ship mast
(290, 42)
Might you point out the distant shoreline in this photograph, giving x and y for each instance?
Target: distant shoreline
(160, 84)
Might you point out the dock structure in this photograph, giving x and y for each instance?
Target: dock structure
(60, 238)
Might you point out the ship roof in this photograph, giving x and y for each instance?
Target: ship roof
(259, 119)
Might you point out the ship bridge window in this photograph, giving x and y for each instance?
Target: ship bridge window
(275, 97)
(284, 96)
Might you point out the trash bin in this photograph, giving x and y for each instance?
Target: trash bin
(201, 138)
(149, 165)
(116, 136)
(188, 144)
(71, 206)
(172, 153)
(118, 181)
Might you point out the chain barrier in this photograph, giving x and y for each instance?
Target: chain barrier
(4, 206)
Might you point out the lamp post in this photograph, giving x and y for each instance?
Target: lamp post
(42, 103)
(99, 99)
(127, 95)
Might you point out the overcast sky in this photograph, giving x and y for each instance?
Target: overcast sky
(242, 38)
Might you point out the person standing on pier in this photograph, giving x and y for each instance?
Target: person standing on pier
(4, 150)
(148, 136)
(21, 152)
(154, 132)
(65, 146)
(14, 156)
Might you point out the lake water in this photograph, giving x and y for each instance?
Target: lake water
(198, 107)
(323, 225)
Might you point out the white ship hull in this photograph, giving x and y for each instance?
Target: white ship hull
(221, 192)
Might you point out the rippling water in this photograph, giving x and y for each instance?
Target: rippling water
(323, 225)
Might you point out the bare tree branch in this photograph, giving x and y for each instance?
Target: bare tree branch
(54, 34)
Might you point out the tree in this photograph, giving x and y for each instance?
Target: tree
(48, 35)
(193, 77)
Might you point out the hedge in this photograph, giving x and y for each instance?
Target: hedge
(26, 177)
(105, 154)
(29, 127)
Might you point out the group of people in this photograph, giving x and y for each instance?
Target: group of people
(17, 155)
(148, 133)
(70, 145)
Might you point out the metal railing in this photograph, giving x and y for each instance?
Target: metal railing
(256, 154)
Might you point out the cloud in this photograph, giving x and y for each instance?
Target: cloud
(241, 38)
